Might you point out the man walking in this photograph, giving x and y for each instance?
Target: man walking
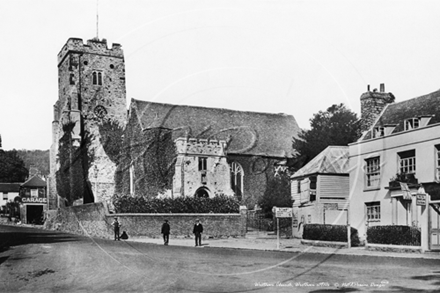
(198, 230)
(166, 232)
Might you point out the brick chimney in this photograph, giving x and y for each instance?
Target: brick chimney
(372, 104)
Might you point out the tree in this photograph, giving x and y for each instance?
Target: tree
(36, 158)
(336, 126)
(12, 168)
(277, 194)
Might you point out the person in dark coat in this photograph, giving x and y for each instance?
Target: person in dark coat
(166, 232)
(116, 227)
(198, 230)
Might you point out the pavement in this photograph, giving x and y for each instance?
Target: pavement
(268, 242)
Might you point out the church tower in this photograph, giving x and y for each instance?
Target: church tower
(91, 90)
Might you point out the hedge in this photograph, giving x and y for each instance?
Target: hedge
(219, 204)
(326, 232)
(394, 234)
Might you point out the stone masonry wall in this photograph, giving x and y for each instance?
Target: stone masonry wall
(95, 221)
(88, 104)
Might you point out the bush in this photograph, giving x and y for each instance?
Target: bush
(393, 234)
(326, 232)
(220, 204)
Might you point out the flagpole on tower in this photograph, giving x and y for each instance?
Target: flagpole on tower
(97, 19)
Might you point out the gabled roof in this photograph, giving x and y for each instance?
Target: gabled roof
(250, 133)
(332, 160)
(9, 187)
(397, 113)
(34, 181)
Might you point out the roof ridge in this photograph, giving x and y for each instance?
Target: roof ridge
(417, 97)
(214, 108)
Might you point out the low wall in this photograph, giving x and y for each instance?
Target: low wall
(95, 220)
(394, 248)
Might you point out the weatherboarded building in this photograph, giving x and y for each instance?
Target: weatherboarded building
(320, 190)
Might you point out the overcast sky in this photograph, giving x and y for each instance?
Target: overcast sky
(293, 57)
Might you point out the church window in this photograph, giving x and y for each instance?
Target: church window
(202, 163)
(132, 179)
(237, 179)
(97, 78)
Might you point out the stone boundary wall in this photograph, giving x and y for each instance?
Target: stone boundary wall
(320, 243)
(94, 220)
(394, 248)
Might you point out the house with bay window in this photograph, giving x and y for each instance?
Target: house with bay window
(395, 165)
(320, 190)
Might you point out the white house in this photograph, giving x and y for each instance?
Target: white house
(401, 145)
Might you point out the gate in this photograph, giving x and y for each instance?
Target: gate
(434, 225)
(257, 221)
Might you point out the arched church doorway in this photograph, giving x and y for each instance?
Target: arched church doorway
(202, 192)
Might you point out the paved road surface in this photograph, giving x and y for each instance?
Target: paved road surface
(34, 260)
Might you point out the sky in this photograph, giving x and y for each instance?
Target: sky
(293, 57)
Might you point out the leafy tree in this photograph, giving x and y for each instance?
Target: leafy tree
(12, 168)
(36, 158)
(336, 126)
(277, 194)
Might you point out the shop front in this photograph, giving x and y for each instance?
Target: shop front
(34, 200)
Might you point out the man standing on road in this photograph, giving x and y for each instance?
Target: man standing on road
(116, 226)
(166, 232)
(198, 230)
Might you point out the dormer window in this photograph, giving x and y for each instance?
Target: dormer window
(412, 123)
(379, 132)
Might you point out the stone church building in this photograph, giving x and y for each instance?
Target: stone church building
(100, 148)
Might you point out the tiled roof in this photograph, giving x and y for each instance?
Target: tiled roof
(397, 113)
(249, 133)
(332, 160)
(9, 187)
(34, 181)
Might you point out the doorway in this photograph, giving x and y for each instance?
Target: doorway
(434, 225)
(202, 192)
(34, 214)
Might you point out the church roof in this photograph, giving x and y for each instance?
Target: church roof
(34, 181)
(395, 114)
(250, 133)
(332, 160)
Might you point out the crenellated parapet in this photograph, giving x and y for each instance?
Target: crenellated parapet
(205, 147)
(93, 46)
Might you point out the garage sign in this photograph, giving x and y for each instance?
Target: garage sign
(34, 200)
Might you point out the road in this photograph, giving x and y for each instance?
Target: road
(35, 260)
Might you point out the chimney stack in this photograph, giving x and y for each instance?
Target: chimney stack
(372, 104)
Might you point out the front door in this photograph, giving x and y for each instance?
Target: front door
(434, 225)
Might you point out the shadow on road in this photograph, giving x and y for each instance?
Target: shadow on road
(15, 235)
